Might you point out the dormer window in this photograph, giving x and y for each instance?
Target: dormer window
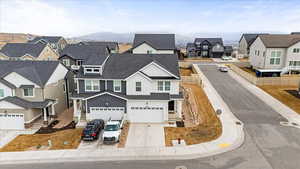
(95, 70)
(205, 46)
(28, 92)
(79, 62)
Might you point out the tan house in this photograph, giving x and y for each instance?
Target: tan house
(30, 90)
(28, 51)
(57, 43)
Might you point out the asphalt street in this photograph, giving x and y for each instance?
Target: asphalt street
(268, 145)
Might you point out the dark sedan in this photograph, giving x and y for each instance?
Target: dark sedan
(92, 130)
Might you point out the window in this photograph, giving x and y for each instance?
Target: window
(291, 63)
(149, 51)
(160, 86)
(92, 70)
(1, 92)
(167, 85)
(138, 86)
(204, 53)
(75, 85)
(117, 85)
(66, 62)
(164, 85)
(275, 57)
(28, 92)
(92, 85)
(79, 62)
(205, 47)
(296, 50)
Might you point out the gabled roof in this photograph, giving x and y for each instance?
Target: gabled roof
(250, 37)
(110, 45)
(6, 83)
(279, 40)
(212, 41)
(21, 49)
(157, 41)
(38, 72)
(121, 66)
(228, 48)
(190, 45)
(48, 39)
(25, 103)
(90, 54)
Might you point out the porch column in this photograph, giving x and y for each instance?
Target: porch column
(53, 110)
(179, 108)
(75, 108)
(45, 116)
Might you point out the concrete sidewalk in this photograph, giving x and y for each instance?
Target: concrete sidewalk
(232, 137)
(282, 109)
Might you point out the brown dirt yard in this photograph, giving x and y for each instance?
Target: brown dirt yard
(66, 139)
(124, 135)
(124, 47)
(281, 94)
(185, 71)
(209, 129)
(248, 70)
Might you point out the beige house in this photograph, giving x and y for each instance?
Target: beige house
(275, 54)
(245, 42)
(28, 51)
(30, 91)
(57, 43)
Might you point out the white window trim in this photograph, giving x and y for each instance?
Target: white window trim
(33, 91)
(164, 86)
(139, 86)
(93, 82)
(275, 57)
(92, 70)
(66, 62)
(114, 85)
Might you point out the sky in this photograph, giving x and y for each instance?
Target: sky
(80, 17)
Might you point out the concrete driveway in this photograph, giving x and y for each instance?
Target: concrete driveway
(96, 144)
(146, 135)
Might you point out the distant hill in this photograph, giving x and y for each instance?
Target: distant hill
(181, 40)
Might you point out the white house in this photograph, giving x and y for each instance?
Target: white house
(275, 54)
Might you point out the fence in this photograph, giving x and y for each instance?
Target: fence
(278, 81)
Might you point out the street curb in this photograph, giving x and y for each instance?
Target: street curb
(123, 154)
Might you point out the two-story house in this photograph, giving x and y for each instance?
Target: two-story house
(57, 43)
(30, 90)
(246, 41)
(206, 48)
(27, 51)
(153, 44)
(275, 54)
(112, 46)
(139, 87)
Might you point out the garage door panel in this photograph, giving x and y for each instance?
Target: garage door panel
(11, 121)
(113, 113)
(146, 114)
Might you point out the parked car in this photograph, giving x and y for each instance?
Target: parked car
(223, 68)
(112, 131)
(92, 130)
(226, 58)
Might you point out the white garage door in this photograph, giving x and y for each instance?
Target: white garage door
(146, 114)
(106, 113)
(11, 121)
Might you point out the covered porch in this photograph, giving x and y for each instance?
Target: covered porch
(175, 110)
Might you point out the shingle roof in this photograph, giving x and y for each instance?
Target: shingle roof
(228, 48)
(212, 41)
(20, 49)
(38, 72)
(157, 41)
(110, 45)
(279, 41)
(48, 39)
(190, 45)
(250, 37)
(120, 66)
(25, 103)
(90, 54)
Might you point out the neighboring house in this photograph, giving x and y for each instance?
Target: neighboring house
(112, 46)
(153, 44)
(27, 51)
(57, 43)
(30, 90)
(140, 87)
(228, 50)
(245, 42)
(206, 48)
(272, 55)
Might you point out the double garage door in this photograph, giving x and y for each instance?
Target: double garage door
(11, 121)
(146, 114)
(106, 113)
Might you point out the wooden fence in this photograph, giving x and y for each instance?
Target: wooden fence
(278, 81)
